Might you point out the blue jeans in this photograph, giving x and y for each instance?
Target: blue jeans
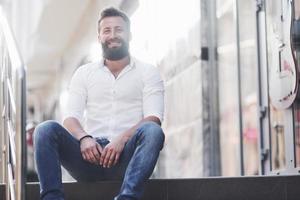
(55, 146)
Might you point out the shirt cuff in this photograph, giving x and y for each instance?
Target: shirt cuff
(159, 116)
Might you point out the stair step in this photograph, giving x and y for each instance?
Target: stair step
(236, 188)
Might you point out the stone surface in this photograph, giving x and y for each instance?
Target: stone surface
(238, 188)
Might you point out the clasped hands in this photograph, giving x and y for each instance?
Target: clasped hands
(107, 157)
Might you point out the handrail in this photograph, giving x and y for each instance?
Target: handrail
(10, 41)
(13, 119)
(12, 143)
(10, 185)
(11, 96)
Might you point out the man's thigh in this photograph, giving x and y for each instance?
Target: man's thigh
(72, 160)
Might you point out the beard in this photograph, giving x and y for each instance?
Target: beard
(115, 53)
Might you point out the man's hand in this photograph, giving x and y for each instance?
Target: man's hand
(111, 153)
(90, 150)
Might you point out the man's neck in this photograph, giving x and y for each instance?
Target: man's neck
(116, 66)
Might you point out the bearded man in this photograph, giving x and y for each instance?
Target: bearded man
(111, 129)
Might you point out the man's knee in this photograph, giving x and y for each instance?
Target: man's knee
(45, 130)
(153, 131)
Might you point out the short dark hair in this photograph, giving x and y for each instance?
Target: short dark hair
(113, 12)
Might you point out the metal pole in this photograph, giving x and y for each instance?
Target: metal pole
(21, 135)
(7, 147)
(240, 109)
(2, 112)
(263, 100)
(210, 93)
(213, 91)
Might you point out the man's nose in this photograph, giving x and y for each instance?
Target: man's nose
(113, 34)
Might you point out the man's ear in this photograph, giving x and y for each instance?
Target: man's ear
(99, 39)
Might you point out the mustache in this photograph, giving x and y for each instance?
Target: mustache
(114, 40)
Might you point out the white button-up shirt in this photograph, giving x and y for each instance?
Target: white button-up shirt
(107, 106)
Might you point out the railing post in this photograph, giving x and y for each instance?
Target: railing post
(6, 116)
(21, 152)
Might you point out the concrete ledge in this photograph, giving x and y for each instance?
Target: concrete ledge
(237, 188)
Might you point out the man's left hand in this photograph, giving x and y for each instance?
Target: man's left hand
(111, 153)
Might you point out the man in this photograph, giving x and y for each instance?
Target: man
(112, 124)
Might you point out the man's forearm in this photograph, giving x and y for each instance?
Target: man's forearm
(130, 132)
(74, 127)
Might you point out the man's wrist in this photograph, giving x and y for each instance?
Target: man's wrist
(84, 137)
(124, 137)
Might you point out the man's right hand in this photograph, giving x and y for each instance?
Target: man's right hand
(90, 150)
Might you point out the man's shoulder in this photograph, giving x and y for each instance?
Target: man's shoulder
(87, 69)
(144, 66)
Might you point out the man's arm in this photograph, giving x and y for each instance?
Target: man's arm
(77, 97)
(111, 153)
(74, 127)
(89, 148)
(129, 133)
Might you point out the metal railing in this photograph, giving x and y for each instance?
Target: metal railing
(13, 114)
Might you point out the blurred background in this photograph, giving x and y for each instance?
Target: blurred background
(218, 119)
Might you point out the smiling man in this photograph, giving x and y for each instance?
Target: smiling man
(111, 130)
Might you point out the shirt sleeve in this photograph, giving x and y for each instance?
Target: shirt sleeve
(77, 96)
(153, 94)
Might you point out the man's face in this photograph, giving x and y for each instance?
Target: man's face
(114, 37)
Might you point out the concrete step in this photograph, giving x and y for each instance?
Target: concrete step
(237, 188)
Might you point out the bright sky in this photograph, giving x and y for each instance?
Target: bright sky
(157, 24)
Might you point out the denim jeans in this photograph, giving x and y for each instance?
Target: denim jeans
(55, 146)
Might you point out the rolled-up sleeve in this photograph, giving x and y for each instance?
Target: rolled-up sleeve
(153, 94)
(77, 96)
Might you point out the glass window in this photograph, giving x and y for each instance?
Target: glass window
(248, 62)
(274, 39)
(228, 90)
